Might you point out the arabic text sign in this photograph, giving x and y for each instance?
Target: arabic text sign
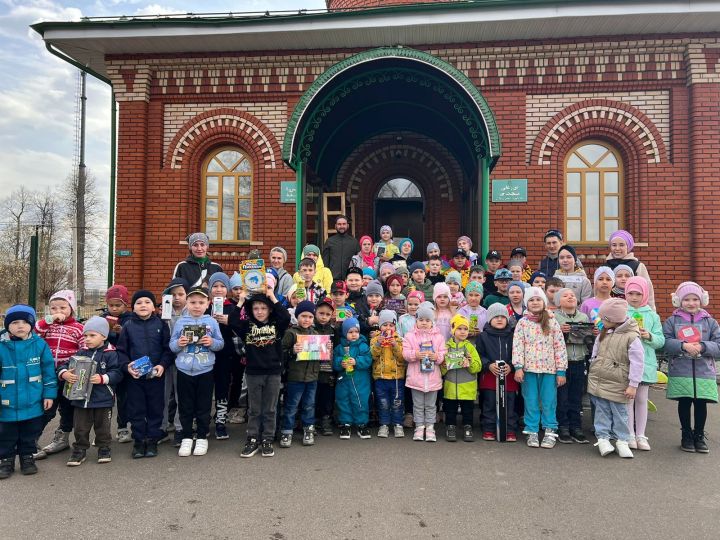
(287, 192)
(511, 190)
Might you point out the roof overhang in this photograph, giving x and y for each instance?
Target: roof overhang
(89, 41)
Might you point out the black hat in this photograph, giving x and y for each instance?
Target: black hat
(459, 251)
(354, 270)
(493, 254)
(143, 293)
(518, 251)
(199, 290)
(553, 232)
(570, 250)
(177, 282)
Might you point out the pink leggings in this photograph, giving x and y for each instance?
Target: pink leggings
(638, 411)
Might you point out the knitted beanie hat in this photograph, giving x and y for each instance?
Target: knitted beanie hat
(432, 246)
(535, 292)
(368, 272)
(621, 267)
(20, 312)
(282, 252)
(387, 316)
(306, 306)
(440, 289)
(570, 250)
(198, 237)
(458, 320)
(497, 310)
(68, 296)
(349, 324)
(613, 310)
(236, 280)
(417, 265)
(374, 287)
(604, 270)
(97, 324)
(426, 311)
(416, 294)
(395, 278)
(474, 287)
(453, 277)
(143, 293)
(221, 277)
(118, 292)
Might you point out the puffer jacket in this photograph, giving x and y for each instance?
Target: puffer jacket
(303, 371)
(388, 362)
(196, 271)
(412, 343)
(461, 383)
(144, 337)
(493, 345)
(651, 323)
(108, 365)
(27, 377)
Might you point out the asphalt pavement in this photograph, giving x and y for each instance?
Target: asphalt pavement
(378, 488)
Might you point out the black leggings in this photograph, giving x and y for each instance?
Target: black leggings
(684, 405)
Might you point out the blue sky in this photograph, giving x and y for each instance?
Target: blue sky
(37, 90)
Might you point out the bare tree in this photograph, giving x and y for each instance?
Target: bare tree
(15, 207)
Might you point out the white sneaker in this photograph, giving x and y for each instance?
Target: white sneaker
(384, 432)
(605, 447)
(419, 434)
(201, 447)
(549, 439)
(124, 436)
(185, 448)
(399, 431)
(430, 434)
(632, 443)
(642, 443)
(623, 449)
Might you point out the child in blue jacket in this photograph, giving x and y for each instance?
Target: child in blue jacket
(28, 387)
(352, 395)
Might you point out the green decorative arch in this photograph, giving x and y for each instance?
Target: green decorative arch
(463, 92)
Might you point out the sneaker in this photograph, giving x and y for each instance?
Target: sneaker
(251, 447)
(326, 426)
(221, 432)
(623, 449)
(236, 416)
(605, 447)
(363, 432)
(164, 437)
(532, 440)
(408, 420)
(399, 432)
(60, 442)
(285, 440)
(7, 467)
(632, 443)
(138, 450)
(201, 447)
(564, 436)
(451, 433)
(549, 439)
(40, 454)
(151, 448)
(309, 436)
(687, 443)
(177, 438)
(642, 443)
(384, 432)
(578, 436)
(700, 444)
(27, 465)
(488, 436)
(104, 455)
(511, 437)
(468, 434)
(77, 457)
(430, 435)
(419, 434)
(267, 448)
(345, 431)
(124, 436)
(185, 448)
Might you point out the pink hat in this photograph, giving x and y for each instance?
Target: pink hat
(439, 289)
(366, 237)
(68, 296)
(270, 280)
(690, 287)
(613, 310)
(624, 235)
(638, 284)
(416, 294)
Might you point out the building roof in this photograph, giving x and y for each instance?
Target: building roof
(88, 40)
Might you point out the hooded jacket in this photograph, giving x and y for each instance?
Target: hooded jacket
(461, 383)
(388, 361)
(323, 276)
(102, 396)
(577, 281)
(303, 371)
(616, 363)
(536, 352)
(194, 359)
(145, 337)
(492, 345)
(196, 271)
(412, 343)
(651, 323)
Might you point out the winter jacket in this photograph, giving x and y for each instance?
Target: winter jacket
(578, 282)
(145, 337)
(195, 359)
(638, 268)
(352, 391)
(263, 340)
(549, 265)
(616, 363)
(196, 271)
(303, 371)
(496, 298)
(64, 339)
(358, 350)
(338, 251)
(692, 377)
(284, 282)
(576, 352)
(102, 396)
(426, 288)
(229, 352)
(27, 377)
(536, 352)
(358, 302)
(651, 323)
(388, 361)
(323, 276)
(461, 383)
(493, 345)
(412, 344)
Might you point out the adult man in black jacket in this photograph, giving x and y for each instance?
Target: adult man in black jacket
(339, 249)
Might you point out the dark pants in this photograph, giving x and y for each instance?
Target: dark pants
(569, 397)
(489, 418)
(86, 419)
(145, 405)
(451, 407)
(18, 438)
(684, 406)
(121, 402)
(235, 396)
(221, 374)
(408, 401)
(67, 411)
(300, 396)
(195, 402)
(325, 395)
(389, 397)
(263, 393)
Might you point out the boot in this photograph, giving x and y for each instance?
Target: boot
(40, 453)
(60, 442)
(151, 449)
(687, 443)
(7, 467)
(138, 450)
(700, 445)
(27, 465)
(326, 426)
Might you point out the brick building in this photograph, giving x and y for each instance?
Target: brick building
(495, 119)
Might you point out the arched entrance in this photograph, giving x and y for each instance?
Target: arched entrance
(406, 107)
(400, 204)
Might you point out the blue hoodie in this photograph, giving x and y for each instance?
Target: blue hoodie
(196, 359)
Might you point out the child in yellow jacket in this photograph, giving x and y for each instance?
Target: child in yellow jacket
(388, 371)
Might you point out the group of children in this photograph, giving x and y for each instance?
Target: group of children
(422, 339)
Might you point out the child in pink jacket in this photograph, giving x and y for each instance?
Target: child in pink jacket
(424, 351)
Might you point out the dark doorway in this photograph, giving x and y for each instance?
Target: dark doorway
(399, 204)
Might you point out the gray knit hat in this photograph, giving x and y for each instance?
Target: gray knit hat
(281, 251)
(374, 287)
(387, 316)
(497, 310)
(97, 324)
(426, 311)
(432, 246)
(198, 237)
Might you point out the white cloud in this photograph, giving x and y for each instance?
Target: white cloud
(14, 24)
(157, 9)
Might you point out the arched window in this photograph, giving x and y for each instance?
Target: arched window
(227, 179)
(593, 192)
(399, 188)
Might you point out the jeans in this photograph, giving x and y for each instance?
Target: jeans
(488, 421)
(19, 438)
(263, 392)
(389, 397)
(87, 419)
(537, 389)
(569, 397)
(194, 399)
(424, 409)
(300, 395)
(611, 418)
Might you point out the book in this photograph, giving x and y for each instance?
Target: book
(473, 319)
(454, 358)
(426, 364)
(194, 332)
(253, 275)
(315, 347)
(143, 366)
(395, 304)
(84, 367)
(399, 264)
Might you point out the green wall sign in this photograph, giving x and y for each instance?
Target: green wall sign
(123, 253)
(510, 190)
(287, 192)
